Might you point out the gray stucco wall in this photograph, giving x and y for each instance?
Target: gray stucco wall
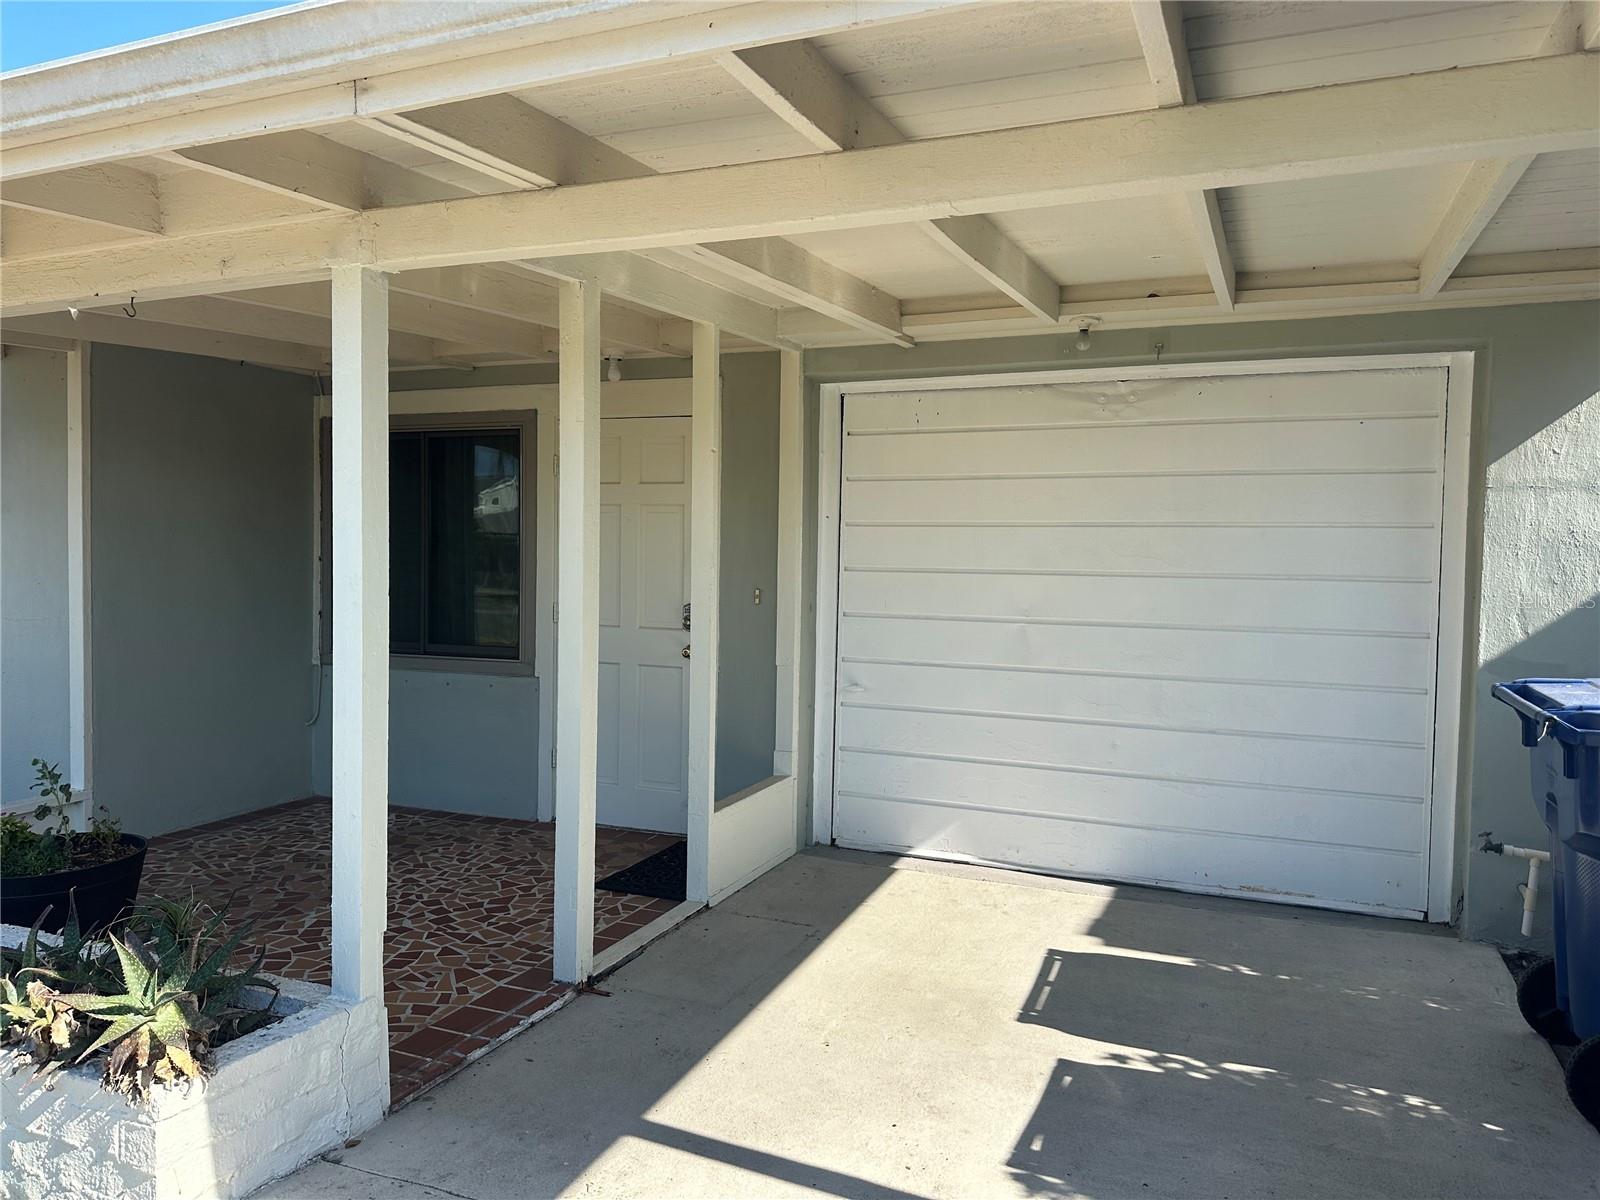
(458, 742)
(33, 565)
(1534, 571)
(201, 539)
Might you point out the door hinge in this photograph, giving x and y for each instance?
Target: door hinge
(552, 757)
(555, 466)
(555, 613)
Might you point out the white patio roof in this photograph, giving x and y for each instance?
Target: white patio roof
(805, 173)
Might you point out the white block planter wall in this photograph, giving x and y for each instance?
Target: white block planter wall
(279, 1097)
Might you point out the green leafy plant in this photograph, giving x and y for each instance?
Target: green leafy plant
(152, 998)
(55, 796)
(25, 850)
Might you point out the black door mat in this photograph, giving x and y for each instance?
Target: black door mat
(664, 875)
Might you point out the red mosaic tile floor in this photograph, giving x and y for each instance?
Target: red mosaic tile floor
(467, 952)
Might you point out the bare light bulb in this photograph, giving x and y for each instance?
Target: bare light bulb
(1083, 338)
(614, 371)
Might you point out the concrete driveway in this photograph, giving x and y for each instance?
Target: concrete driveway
(852, 1026)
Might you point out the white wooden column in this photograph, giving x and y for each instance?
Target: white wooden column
(80, 629)
(705, 575)
(577, 629)
(786, 760)
(360, 629)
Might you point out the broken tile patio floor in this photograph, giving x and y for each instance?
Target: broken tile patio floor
(467, 951)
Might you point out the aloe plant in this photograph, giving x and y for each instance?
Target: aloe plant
(154, 997)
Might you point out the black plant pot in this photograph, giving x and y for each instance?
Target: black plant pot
(101, 892)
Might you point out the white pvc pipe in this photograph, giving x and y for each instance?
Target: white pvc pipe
(1530, 890)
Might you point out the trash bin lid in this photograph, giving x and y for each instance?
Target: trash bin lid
(1564, 693)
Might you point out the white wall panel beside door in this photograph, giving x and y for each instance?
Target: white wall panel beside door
(1180, 626)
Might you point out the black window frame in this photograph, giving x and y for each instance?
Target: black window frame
(521, 423)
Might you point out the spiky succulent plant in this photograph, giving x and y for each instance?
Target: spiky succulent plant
(155, 996)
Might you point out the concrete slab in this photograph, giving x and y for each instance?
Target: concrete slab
(853, 1026)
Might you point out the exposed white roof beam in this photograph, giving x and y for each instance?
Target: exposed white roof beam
(1480, 196)
(1206, 216)
(191, 202)
(513, 142)
(28, 233)
(1489, 181)
(513, 294)
(980, 244)
(411, 313)
(797, 83)
(10, 335)
(231, 315)
(644, 281)
(306, 166)
(1496, 279)
(419, 55)
(509, 140)
(110, 195)
(1499, 110)
(119, 330)
(1166, 55)
(800, 277)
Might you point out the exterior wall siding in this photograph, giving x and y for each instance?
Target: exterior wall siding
(33, 565)
(201, 543)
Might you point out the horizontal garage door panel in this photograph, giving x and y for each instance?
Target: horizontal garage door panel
(1372, 447)
(1152, 698)
(1182, 857)
(1179, 631)
(1188, 402)
(1354, 660)
(1342, 549)
(1286, 496)
(1394, 770)
(1200, 806)
(1099, 596)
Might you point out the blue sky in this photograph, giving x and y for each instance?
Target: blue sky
(36, 31)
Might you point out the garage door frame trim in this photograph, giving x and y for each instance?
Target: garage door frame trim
(1454, 638)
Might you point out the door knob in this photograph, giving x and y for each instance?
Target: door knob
(686, 652)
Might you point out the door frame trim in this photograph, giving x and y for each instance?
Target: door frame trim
(1456, 642)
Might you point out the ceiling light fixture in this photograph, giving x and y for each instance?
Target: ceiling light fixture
(614, 370)
(1083, 326)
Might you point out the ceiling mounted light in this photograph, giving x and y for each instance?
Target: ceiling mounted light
(1083, 326)
(614, 370)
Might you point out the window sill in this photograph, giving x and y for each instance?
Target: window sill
(511, 667)
(459, 666)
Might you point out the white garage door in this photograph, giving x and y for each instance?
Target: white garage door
(1179, 631)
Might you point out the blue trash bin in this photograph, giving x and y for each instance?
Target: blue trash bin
(1561, 727)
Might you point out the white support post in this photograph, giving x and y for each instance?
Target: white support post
(80, 630)
(578, 630)
(705, 572)
(791, 486)
(360, 629)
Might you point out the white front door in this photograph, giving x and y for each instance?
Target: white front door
(644, 584)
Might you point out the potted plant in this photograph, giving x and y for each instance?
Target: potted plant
(46, 872)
